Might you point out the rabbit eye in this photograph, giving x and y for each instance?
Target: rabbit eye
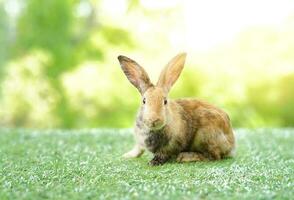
(144, 101)
(165, 101)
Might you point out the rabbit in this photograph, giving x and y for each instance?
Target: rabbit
(184, 129)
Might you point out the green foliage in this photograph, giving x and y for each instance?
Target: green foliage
(48, 30)
(87, 165)
(58, 65)
(273, 101)
(27, 93)
(285, 101)
(3, 37)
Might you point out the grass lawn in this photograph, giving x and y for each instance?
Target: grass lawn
(86, 164)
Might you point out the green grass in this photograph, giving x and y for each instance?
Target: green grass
(86, 164)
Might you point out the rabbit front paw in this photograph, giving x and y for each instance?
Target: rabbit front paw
(158, 160)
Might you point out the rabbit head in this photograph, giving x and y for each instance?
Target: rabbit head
(155, 103)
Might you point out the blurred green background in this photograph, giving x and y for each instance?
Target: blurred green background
(59, 68)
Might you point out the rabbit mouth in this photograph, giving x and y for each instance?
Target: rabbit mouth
(155, 124)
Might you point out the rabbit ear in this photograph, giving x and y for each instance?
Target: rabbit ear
(135, 73)
(171, 72)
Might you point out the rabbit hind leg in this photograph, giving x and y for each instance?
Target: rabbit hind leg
(191, 157)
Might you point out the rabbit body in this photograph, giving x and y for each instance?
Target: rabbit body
(195, 131)
(187, 129)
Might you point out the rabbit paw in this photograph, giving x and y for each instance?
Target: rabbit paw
(190, 157)
(158, 160)
(134, 153)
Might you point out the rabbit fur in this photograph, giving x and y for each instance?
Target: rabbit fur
(185, 129)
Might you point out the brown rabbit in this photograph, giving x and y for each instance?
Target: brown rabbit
(188, 129)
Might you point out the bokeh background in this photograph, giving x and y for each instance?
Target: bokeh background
(59, 68)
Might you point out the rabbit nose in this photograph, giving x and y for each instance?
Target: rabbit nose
(156, 122)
